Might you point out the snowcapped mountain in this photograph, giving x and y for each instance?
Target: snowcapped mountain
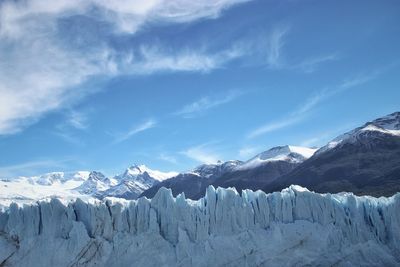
(265, 168)
(31, 189)
(96, 183)
(83, 184)
(365, 160)
(193, 183)
(136, 172)
(293, 154)
(385, 126)
(294, 227)
(209, 171)
(252, 174)
(53, 177)
(135, 180)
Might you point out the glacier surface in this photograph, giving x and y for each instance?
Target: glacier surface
(294, 227)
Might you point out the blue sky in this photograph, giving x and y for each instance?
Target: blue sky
(172, 84)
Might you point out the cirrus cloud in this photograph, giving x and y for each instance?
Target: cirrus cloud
(45, 59)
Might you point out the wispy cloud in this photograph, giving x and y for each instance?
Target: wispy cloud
(248, 151)
(168, 158)
(70, 130)
(310, 65)
(323, 137)
(31, 167)
(312, 101)
(301, 112)
(44, 64)
(202, 153)
(313, 141)
(68, 136)
(275, 42)
(205, 103)
(274, 126)
(151, 123)
(359, 80)
(77, 120)
(274, 50)
(153, 59)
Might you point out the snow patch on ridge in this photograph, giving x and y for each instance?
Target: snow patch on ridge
(387, 125)
(293, 154)
(157, 175)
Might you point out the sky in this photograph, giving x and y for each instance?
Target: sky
(101, 85)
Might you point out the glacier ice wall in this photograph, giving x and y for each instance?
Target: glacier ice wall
(292, 227)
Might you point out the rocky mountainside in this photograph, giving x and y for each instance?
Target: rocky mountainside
(252, 174)
(195, 182)
(265, 168)
(96, 183)
(365, 161)
(134, 181)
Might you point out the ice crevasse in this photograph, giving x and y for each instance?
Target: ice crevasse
(293, 227)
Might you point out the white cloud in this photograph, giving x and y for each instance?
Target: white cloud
(168, 158)
(31, 167)
(299, 114)
(246, 152)
(274, 46)
(156, 59)
(312, 101)
(202, 153)
(135, 130)
(126, 15)
(274, 126)
(311, 64)
(313, 141)
(326, 93)
(41, 69)
(359, 80)
(78, 120)
(205, 103)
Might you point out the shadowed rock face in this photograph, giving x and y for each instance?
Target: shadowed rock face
(229, 174)
(255, 178)
(194, 186)
(194, 183)
(369, 165)
(365, 161)
(294, 227)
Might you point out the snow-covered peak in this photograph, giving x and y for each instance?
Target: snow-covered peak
(388, 125)
(97, 176)
(284, 152)
(52, 177)
(389, 122)
(136, 170)
(95, 183)
(293, 154)
(209, 170)
(134, 180)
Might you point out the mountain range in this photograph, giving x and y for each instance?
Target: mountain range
(365, 161)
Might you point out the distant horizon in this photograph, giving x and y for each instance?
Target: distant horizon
(177, 171)
(172, 85)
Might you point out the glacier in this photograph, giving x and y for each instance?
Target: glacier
(294, 227)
